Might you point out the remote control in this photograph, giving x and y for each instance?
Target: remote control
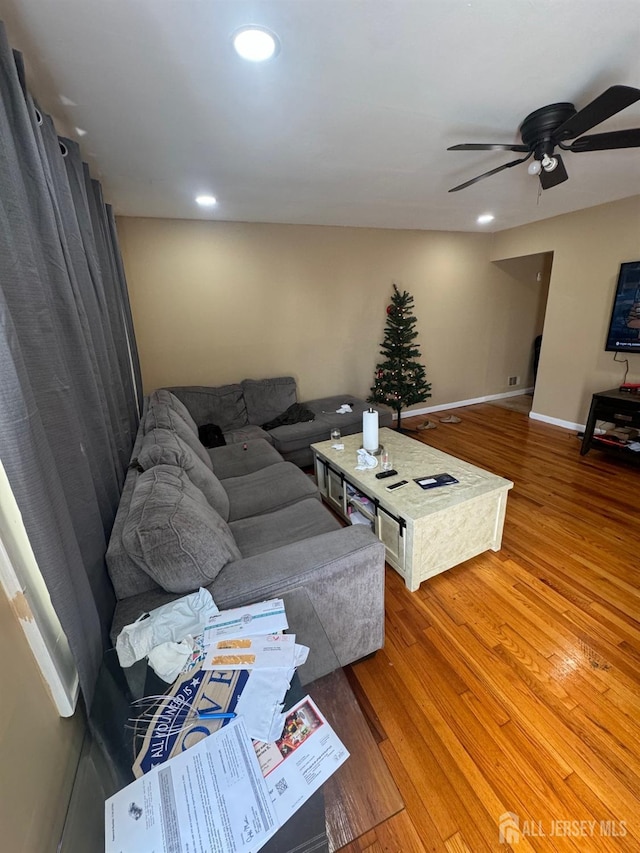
(393, 486)
(384, 474)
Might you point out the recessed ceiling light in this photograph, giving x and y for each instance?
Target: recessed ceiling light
(485, 218)
(256, 44)
(206, 200)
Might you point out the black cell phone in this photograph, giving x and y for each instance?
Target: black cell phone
(397, 485)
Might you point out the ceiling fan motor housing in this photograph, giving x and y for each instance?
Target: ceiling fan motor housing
(537, 130)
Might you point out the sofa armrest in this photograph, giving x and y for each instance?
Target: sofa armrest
(342, 573)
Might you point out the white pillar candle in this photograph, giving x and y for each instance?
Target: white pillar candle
(370, 430)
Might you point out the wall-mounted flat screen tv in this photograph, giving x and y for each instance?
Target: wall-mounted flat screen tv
(624, 329)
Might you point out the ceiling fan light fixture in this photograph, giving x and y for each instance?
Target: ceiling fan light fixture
(255, 44)
(549, 163)
(534, 168)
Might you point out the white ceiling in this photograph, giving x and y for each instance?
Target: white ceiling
(350, 123)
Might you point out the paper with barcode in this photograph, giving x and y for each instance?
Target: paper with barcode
(212, 798)
(307, 753)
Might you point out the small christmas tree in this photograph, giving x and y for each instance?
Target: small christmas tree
(400, 380)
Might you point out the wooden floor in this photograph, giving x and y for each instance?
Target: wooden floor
(512, 682)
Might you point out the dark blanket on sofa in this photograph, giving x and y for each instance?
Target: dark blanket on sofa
(295, 414)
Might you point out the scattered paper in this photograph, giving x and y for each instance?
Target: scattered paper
(210, 799)
(262, 701)
(301, 760)
(225, 794)
(267, 617)
(232, 653)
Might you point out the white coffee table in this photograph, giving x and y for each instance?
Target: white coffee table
(424, 532)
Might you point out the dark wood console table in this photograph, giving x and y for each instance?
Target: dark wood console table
(619, 408)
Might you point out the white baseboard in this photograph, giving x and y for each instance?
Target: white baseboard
(461, 403)
(556, 422)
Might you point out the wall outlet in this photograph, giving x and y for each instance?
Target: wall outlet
(514, 380)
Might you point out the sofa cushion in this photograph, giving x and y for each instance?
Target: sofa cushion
(164, 396)
(265, 399)
(263, 533)
(234, 460)
(162, 416)
(267, 490)
(173, 533)
(126, 575)
(246, 433)
(165, 447)
(223, 405)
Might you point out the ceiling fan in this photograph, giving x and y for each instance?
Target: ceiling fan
(550, 127)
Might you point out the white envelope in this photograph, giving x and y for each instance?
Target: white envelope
(249, 652)
(266, 617)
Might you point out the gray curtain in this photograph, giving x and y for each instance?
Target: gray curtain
(70, 394)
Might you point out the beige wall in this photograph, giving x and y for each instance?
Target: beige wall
(38, 749)
(588, 247)
(216, 302)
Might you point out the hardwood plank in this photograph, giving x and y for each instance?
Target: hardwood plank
(398, 835)
(457, 844)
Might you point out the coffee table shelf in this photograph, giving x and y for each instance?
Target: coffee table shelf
(424, 532)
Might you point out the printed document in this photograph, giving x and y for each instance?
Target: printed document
(307, 753)
(225, 793)
(210, 799)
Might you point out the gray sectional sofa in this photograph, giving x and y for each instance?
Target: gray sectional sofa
(241, 409)
(244, 523)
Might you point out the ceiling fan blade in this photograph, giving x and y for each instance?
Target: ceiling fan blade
(610, 102)
(489, 173)
(488, 146)
(556, 176)
(607, 141)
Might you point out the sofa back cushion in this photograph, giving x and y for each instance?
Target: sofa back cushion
(223, 406)
(174, 534)
(164, 396)
(165, 447)
(162, 416)
(126, 576)
(265, 399)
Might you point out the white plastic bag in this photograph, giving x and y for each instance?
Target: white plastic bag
(170, 623)
(168, 659)
(366, 460)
